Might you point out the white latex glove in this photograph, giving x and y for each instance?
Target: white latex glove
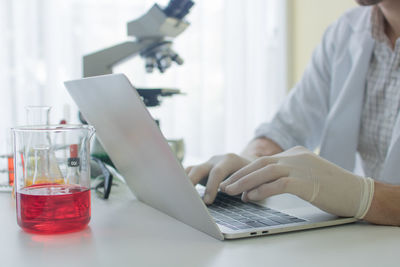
(300, 172)
(215, 170)
(220, 167)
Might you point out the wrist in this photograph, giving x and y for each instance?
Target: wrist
(367, 195)
(261, 146)
(384, 208)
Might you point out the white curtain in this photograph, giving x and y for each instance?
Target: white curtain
(234, 75)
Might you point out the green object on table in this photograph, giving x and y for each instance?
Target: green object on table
(104, 158)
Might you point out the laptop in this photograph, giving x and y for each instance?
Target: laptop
(141, 154)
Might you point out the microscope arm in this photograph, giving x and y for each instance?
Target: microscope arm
(102, 62)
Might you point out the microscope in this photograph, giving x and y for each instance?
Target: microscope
(153, 34)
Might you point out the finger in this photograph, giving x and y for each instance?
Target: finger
(188, 169)
(244, 197)
(270, 189)
(252, 167)
(218, 173)
(255, 179)
(199, 172)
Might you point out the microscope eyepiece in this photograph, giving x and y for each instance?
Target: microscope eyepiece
(178, 8)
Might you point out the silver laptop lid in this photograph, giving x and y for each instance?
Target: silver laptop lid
(139, 151)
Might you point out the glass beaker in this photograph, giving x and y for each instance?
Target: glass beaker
(52, 177)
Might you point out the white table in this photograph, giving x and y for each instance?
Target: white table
(125, 232)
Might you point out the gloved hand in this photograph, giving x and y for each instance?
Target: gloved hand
(220, 167)
(300, 172)
(216, 170)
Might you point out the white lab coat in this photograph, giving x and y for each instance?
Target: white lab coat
(324, 108)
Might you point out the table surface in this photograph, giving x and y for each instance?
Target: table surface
(126, 232)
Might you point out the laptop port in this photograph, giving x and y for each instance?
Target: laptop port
(253, 233)
(264, 232)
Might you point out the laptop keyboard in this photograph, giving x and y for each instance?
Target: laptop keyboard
(231, 212)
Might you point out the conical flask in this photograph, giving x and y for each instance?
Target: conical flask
(37, 115)
(45, 166)
(41, 165)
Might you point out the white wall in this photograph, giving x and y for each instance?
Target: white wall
(308, 20)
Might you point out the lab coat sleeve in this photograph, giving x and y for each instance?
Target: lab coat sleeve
(301, 117)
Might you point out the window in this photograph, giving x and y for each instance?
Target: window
(234, 74)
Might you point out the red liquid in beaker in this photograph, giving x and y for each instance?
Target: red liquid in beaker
(53, 208)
